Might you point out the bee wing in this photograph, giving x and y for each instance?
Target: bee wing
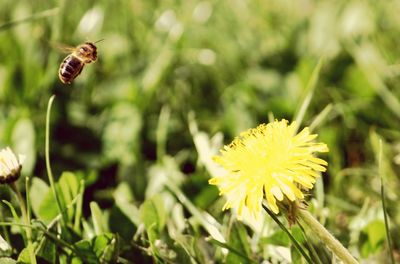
(63, 47)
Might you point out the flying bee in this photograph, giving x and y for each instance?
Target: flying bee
(73, 64)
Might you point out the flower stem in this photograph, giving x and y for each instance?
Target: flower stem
(64, 218)
(26, 220)
(331, 242)
(294, 241)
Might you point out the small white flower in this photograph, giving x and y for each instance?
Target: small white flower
(10, 166)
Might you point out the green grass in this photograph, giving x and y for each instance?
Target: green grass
(130, 140)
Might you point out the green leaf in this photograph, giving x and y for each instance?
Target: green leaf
(85, 248)
(7, 261)
(23, 256)
(152, 212)
(153, 215)
(182, 253)
(16, 218)
(100, 249)
(376, 233)
(238, 240)
(194, 247)
(87, 229)
(106, 248)
(120, 223)
(76, 260)
(123, 200)
(279, 238)
(296, 257)
(47, 251)
(98, 221)
(240, 257)
(297, 233)
(43, 199)
(12, 209)
(69, 187)
(47, 209)
(36, 194)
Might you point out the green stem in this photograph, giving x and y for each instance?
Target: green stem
(48, 167)
(295, 243)
(25, 217)
(331, 242)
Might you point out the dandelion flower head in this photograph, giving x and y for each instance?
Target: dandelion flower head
(10, 166)
(270, 162)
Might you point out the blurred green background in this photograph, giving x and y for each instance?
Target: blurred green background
(169, 69)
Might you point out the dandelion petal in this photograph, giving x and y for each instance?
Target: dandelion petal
(269, 162)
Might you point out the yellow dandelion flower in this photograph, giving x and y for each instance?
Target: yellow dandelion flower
(10, 166)
(270, 162)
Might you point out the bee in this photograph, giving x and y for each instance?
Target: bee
(73, 64)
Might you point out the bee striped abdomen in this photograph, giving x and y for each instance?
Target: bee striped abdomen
(70, 68)
(73, 64)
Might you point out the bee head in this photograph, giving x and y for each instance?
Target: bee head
(88, 51)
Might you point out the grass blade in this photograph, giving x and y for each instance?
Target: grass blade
(310, 246)
(16, 218)
(43, 14)
(310, 88)
(232, 250)
(295, 243)
(79, 204)
(380, 168)
(207, 221)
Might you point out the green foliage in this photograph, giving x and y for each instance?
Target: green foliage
(48, 251)
(132, 138)
(100, 249)
(8, 261)
(239, 242)
(43, 199)
(375, 234)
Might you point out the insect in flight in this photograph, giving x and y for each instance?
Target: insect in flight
(73, 64)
